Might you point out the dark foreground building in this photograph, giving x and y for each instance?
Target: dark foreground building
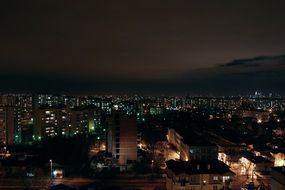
(197, 175)
(122, 137)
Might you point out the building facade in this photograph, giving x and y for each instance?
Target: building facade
(7, 125)
(191, 147)
(198, 175)
(122, 137)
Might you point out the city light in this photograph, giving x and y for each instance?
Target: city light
(172, 95)
(279, 162)
(148, 137)
(51, 166)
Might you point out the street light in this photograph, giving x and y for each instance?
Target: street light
(152, 161)
(50, 161)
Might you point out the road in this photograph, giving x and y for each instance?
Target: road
(139, 184)
(42, 183)
(125, 183)
(76, 182)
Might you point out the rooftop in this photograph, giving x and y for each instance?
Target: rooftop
(199, 167)
(193, 139)
(255, 159)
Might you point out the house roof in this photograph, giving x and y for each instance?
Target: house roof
(199, 167)
(61, 187)
(255, 159)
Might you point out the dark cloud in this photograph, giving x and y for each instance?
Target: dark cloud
(144, 46)
(265, 73)
(256, 62)
(233, 80)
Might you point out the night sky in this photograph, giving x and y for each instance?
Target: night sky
(152, 47)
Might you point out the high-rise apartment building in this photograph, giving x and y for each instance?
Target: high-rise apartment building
(7, 125)
(122, 137)
(85, 120)
(63, 121)
(51, 121)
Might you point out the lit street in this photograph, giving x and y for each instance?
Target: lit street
(123, 183)
(44, 183)
(139, 184)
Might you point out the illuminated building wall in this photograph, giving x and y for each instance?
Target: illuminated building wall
(49, 100)
(122, 137)
(254, 165)
(51, 122)
(192, 149)
(106, 106)
(85, 120)
(62, 121)
(279, 159)
(7, 100)
(24, 124)
(176, 139)
(79, 122)
(261, 116)
(7, 126)
(24, 119)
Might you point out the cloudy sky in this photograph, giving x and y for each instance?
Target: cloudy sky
(157, 46)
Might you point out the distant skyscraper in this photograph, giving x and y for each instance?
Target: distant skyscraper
(7, 100)
(122, 137)
(7, 126)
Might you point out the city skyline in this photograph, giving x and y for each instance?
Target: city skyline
(145, 95)
(74, 141)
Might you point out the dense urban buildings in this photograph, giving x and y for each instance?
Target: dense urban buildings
(194, 142)
(142, 95)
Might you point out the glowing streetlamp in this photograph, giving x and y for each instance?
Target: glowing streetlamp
(50, 161)
(152, 161)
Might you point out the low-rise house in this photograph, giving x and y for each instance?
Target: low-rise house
(197, 175)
